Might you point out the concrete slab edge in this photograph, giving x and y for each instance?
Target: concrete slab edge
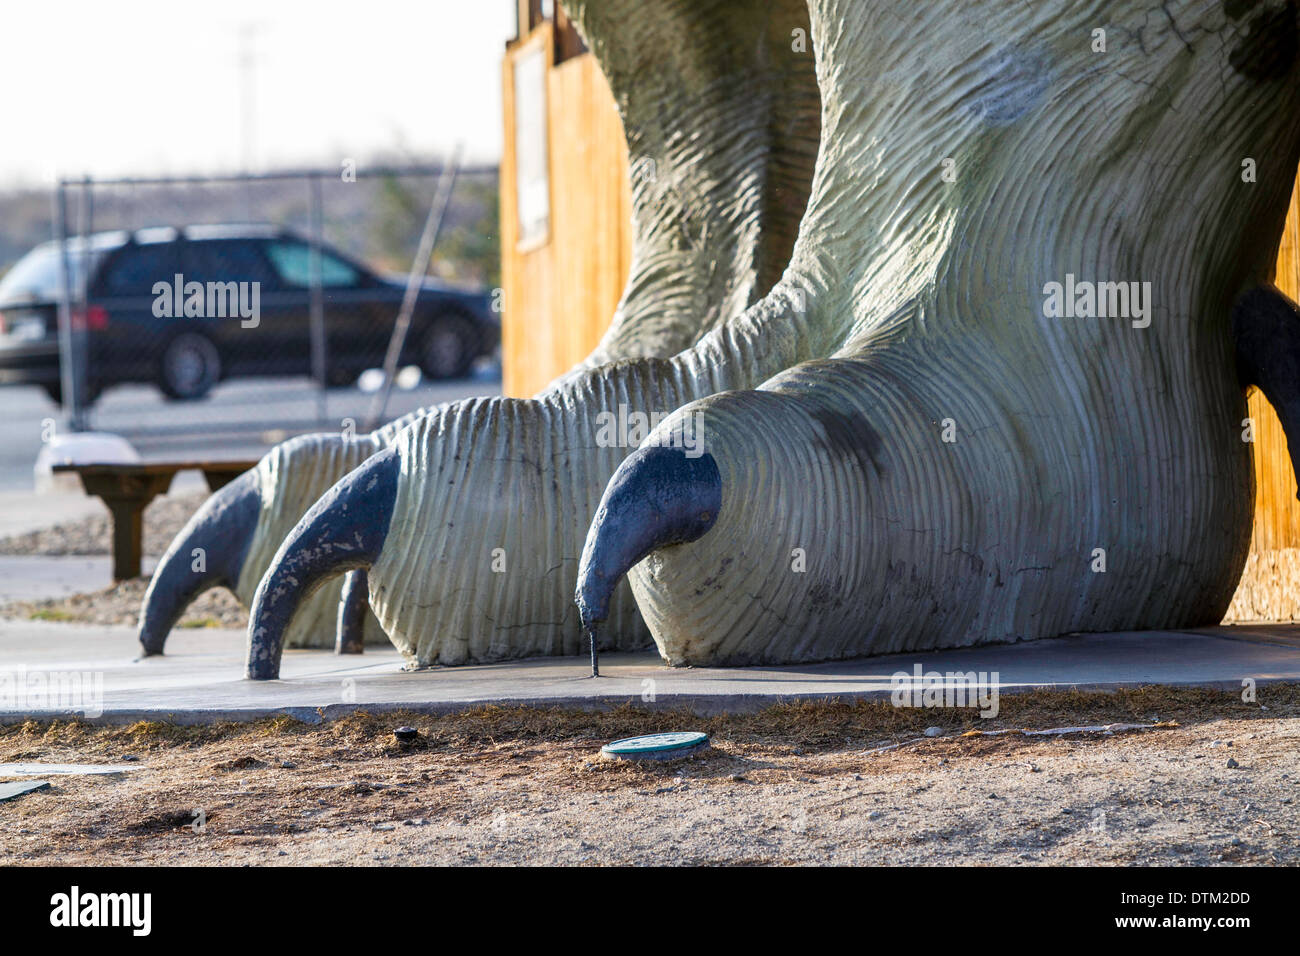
(703, 705)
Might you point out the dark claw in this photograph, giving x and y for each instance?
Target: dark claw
(353, 607)
(658, 497)
(1266, 327)
(215, 541)
(344, 530)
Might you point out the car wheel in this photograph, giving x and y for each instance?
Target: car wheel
(342, 378)
(190, 367)
(89, 395)
(449, 347)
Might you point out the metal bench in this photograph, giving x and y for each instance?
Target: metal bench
(127, 491)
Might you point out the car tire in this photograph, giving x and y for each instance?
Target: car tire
(449, 347)
(190, 366)
(88, 398)
(342, 378)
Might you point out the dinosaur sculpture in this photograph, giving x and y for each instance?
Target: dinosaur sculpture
(913, 441)
(908, 445)
(731, 120)
(973, 464)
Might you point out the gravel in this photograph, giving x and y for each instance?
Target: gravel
(119, 604)
(163, 518)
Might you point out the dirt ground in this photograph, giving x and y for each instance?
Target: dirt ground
(94, 535)
(794, 784)
(120, 603)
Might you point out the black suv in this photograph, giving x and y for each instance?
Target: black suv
(187, 308)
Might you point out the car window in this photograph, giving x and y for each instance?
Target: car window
(136, 269)
(225, 260)
(36, 275)
(292, 260)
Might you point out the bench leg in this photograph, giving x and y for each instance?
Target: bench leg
(126, 496)
(128, 535)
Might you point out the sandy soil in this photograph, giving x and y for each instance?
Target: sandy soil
(803, 784)
(94, 535)
(119, 604)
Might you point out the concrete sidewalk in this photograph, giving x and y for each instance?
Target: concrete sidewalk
(25, 511)
(28, 577)
(25, 577)
(200, 679)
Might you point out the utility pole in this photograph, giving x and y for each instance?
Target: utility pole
(247, 93)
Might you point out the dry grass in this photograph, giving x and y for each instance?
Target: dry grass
(806, 725)
(800, 783)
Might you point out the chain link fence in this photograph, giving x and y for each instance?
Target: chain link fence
(234, 311)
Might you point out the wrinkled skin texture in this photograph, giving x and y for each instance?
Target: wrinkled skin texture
(1069, 434)
(278, 490)
(911, 312)
(733, 128)
(495, 494)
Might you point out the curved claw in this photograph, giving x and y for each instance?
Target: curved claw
(350, 637)
(659, 496)
(209, 552)
(344, 530)
(1266, 329)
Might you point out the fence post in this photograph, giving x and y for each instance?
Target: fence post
(319, 341)
(67, 375)
(81, 330)
(414, 279)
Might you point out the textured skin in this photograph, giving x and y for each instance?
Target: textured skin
(511, 480)
(733, 127)
(731, 147)
(519, 479)
(1070, 434)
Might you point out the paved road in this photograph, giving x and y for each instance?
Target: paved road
(239, 419)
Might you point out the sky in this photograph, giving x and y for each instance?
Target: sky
(149, 87)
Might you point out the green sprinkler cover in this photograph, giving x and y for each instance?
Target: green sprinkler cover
(655, 744)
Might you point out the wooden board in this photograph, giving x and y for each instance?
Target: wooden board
(560, 293)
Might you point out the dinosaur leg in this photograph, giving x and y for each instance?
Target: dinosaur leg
(712, 94)
(981, 465)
